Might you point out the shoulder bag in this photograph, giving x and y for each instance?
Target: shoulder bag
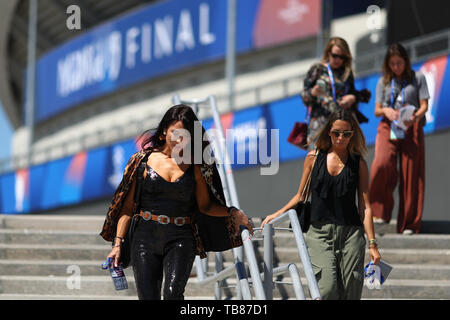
(303, 207)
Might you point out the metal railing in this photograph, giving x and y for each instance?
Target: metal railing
(437, 43)
(268, 233)
(231, 198)
(263, 283)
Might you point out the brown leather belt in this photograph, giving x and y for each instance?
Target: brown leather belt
(163, 219)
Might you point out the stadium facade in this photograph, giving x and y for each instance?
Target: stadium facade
(99, 87)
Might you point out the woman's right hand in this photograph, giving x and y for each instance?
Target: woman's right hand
(391, 114)
(316, 91)
(114, 255)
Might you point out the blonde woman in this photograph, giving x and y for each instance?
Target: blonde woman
(330, 86)
(335, 238)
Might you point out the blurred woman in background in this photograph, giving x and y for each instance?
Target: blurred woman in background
(330, 86)
(398, 87)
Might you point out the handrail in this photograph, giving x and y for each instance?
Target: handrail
(302, 250)
(231, 198)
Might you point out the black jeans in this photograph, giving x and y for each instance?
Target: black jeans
(158, 248)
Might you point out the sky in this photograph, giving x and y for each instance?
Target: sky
(6, 132)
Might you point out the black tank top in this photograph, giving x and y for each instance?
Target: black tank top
(174, 199)
(333, 198)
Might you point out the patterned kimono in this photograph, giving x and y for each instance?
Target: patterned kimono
(210, 233)
(323, 106)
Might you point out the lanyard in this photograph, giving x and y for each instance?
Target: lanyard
(330, 74)
(392, 92)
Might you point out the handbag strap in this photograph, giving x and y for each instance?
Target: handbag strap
(307, 188)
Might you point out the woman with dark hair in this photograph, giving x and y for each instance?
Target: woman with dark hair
(330, 86)
(398, 87)
(182, 208)
(335, 237)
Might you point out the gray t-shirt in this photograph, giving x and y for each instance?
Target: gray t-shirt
(414, 92)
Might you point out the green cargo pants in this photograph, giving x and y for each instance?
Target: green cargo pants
(337, 256)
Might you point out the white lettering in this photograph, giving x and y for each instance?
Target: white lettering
(146, 46)
(206, 37)
(101, 59)
(114, 54)
(163, 37)
(131, 47)
(185, 35)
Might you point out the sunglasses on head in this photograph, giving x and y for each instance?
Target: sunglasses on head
(337, 56)
(345, 134)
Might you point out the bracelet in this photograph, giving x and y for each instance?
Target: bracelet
(373, 242)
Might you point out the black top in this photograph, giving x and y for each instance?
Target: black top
(174, 199)
(333, 198)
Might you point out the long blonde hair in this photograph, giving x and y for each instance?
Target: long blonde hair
(343, 45)
(357, 144)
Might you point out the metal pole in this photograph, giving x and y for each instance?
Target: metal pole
(303, 252)
(225, 157)
(252, 264)
(268, 260)
(30, 84)
(230, 64)
(296, 282)
(219, 268)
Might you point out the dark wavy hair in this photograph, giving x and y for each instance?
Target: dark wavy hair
(151, 138)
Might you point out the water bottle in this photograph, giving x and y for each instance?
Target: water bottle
(117, 274)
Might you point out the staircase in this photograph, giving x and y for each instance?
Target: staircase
(59, 257)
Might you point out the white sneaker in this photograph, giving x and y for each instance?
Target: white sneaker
(379, 221)
(408, 232)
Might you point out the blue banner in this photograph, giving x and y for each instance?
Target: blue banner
(159, 39)
(144, 44)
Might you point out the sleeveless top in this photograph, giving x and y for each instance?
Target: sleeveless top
(174, 199)
(333, 198)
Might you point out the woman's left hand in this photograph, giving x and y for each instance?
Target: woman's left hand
(241, 219)
(347, 101)
(374, 255)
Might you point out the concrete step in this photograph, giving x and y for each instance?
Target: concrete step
(394, 289)
(52, 222)
(20, 296)
(428, 227)
(17, 236)
(391, 256)
(103, 286)
(100, 252)
(54, 252)
(92, 268)
(387, 241)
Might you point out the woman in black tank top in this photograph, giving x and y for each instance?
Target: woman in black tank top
(335, 239)
(182, 206)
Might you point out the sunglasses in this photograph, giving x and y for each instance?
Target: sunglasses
(345, 134)
(337, 56)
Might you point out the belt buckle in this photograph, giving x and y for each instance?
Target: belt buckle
(183, 221)
(146, 215)
(162, 216)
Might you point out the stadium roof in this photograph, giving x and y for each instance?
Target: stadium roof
(52, 32)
